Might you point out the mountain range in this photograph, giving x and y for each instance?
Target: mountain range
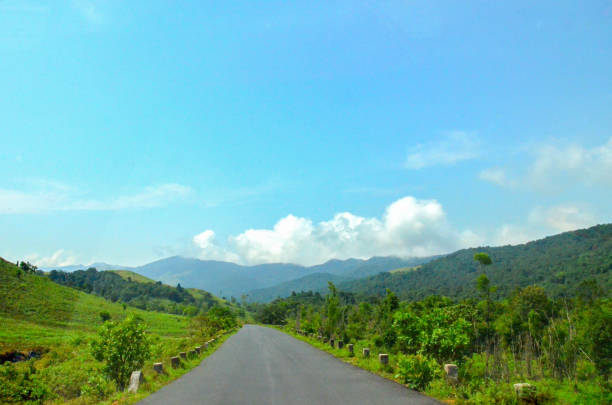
(262, 282)
(558, 263)
(230, 279)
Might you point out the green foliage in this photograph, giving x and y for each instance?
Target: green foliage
(416, 370)
(59, 323)
(332, 310)
(18, 386)
(27, 267)
(438, 332)
(560, 345)
(145, 294)
(222, 317)
(123, 347)
(97, 387)
(483, 258)
(105, 316)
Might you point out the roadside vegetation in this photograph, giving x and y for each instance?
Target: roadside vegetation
(63, 345)
(562, 347)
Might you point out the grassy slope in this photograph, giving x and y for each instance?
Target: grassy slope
(134, 276)
(195, 292)
(36, 314)
(38, 311)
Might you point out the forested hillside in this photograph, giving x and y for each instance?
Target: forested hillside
(145, 295)
(557, 263)
(335, 271)
(313, 282)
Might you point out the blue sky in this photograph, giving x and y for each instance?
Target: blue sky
(292, 131)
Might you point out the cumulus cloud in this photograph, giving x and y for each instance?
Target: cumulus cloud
(51, 199)
(57, 259)
(555, 167)
(453, 148)
(408, 227)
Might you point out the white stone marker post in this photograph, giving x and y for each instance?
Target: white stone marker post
(135, 379)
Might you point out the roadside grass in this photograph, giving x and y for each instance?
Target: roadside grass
(154, 381)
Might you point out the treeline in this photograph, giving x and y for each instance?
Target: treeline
(558, 264)
(148, 296)
(563, 346)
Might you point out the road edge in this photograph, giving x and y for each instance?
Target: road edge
(347, 360)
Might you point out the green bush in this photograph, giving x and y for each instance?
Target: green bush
(97, 387)
(105, 316)
(65, 377)
(18, 386)
(417, 370)
(123, 347)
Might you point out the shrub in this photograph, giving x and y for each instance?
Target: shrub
(105, 316)
(21, 386)
(417, 370)
(123, 347)
(97, 387)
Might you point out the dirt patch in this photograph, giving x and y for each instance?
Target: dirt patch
(14, 356)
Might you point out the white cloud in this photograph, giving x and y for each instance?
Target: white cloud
(555, 168)
(563, 218)
(49, 199)
(57, 259)
(497, 176)
(588, 166)
(409, 227)
(545, 221)
(453, 148)
(509, 234)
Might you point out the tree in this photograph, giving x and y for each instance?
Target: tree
(27, 267)
(332, 309)
(483, 259)
(123, 347)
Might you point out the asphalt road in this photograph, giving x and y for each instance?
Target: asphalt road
(264, 366)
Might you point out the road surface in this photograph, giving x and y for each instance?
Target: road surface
(260, 365)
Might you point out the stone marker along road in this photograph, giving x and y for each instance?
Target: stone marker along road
(260, 365)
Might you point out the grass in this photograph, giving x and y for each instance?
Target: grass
(139, 278)
(60, 322)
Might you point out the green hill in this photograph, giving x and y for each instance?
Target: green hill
(36, 311)
(54, 325)
(129, 287)
(132, 276)
(557, 263)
